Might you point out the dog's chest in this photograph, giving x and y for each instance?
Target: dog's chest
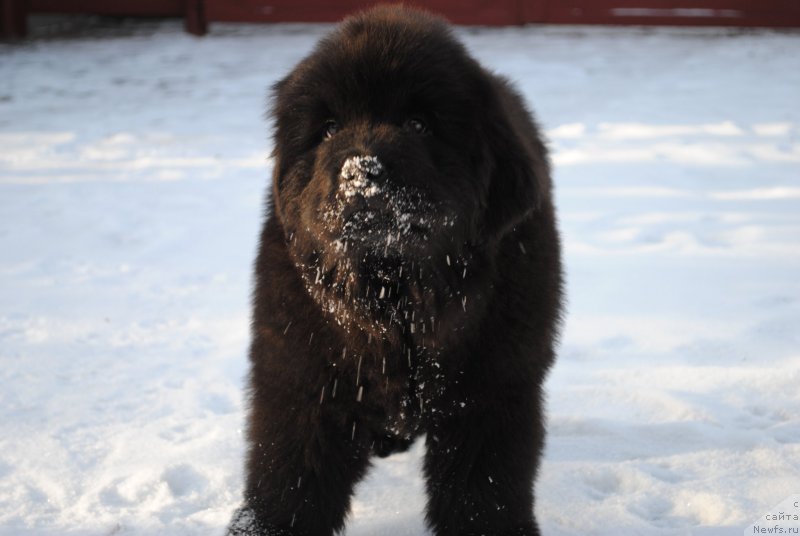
(400, 392)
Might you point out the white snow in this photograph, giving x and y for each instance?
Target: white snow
(356, 172)
(133, 162)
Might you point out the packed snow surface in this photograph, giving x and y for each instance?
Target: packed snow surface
(133, 165)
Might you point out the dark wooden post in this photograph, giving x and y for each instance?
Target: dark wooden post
(194, 17)
(13, 21)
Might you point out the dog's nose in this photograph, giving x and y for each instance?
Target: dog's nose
(362, 167)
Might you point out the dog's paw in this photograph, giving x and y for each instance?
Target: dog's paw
(245, 523)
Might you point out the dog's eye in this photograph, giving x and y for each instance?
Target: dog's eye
(417, 125)
(331, 128)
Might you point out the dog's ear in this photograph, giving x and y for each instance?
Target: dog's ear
(519, 180)
(276, 204)
(273, 115)
(285, 127)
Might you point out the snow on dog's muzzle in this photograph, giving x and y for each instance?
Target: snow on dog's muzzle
(358, 175)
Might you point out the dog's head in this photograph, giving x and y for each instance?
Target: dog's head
(394, 147)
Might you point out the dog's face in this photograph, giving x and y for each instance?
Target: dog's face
(379, 152)
(385, 152)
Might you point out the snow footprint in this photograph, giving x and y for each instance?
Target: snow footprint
(183, 480)
(786, 433)
(664, 473)
(634, 488)
(129, 491)
(602, 482)
(654, 509)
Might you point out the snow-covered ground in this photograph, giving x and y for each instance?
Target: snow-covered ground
(133, 164)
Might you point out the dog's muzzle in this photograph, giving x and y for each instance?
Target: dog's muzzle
(361, 168)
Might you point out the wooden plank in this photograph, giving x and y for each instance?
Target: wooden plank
(145, 8)
(746, 13)
(533, 11)
(774, 13)
(192, 11)
(483, 12)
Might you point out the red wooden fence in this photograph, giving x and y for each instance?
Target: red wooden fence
(197, 13)
(775, 13)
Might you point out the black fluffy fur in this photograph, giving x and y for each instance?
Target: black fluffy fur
(370, 333)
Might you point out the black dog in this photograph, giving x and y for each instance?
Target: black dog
(408, 283)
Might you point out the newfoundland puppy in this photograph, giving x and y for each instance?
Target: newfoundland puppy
(408, 284)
